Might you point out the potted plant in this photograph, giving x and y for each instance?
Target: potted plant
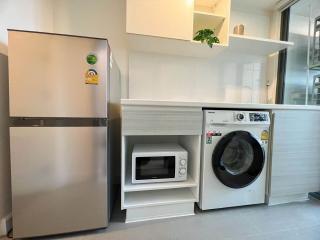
(208, 36)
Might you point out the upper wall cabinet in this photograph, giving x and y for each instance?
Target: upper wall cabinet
(161, 18)
(159, 26)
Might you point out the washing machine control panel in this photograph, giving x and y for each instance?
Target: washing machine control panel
(258, 117)
(214, 117)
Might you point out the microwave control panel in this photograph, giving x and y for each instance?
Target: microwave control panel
(182, 165)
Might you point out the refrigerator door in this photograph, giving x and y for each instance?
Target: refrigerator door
(59, 181)
(49, 75)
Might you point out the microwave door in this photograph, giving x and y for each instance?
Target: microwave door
(155, 169)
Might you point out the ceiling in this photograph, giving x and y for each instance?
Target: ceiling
(264, 5)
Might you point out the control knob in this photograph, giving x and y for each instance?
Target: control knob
(182, 171)
(240, 116)
(182, 162)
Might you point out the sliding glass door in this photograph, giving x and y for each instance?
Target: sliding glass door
(301, 78)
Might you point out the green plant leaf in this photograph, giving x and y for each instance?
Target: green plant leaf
(208, 36)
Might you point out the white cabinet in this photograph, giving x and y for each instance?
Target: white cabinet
(160, 124)
(295, 166)
(159, 26)
(161, 18)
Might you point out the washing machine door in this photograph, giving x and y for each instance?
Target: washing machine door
(238, 159)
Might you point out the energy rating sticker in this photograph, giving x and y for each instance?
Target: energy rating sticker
(265, 135)
(92, 77)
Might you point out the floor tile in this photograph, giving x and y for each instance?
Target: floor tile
(295, 221)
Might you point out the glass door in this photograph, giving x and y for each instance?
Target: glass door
(299, 72)
(238, 159)
(161, 167)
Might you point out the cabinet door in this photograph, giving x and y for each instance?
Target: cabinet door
(295, 167)
(161, 18)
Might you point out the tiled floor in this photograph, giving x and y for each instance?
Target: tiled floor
(295, 221)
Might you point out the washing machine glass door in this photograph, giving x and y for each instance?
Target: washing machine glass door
(238, 159)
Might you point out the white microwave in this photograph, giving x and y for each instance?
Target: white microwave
(159, 163)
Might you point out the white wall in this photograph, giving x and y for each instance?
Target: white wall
(24, 14)
(17, 14)
(272, 72)
(225, 78)
(255, 23)
(232, 78)
(96, 18)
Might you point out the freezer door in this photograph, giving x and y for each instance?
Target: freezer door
(59, 181)
(48, 75)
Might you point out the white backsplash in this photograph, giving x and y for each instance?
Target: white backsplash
(226, 78)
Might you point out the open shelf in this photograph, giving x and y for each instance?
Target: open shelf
(214, 15)
(129, 187)
(153, 194)
(210, 17)
(204, 20)
(169, 46)
(256, 45)
(237, 44)
(208, 6)
(160, 197)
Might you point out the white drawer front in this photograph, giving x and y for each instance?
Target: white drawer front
(145, 120)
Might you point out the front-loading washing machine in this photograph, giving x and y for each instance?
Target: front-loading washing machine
(234, 158)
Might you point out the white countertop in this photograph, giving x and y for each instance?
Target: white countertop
(145, 102)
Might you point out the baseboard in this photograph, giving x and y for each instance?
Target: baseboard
(288, 199)
(147, 213)
(5, 225)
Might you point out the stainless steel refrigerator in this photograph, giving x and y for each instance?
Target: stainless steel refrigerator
(64, 132)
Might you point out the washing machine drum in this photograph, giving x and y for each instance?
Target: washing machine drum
(238, 159)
